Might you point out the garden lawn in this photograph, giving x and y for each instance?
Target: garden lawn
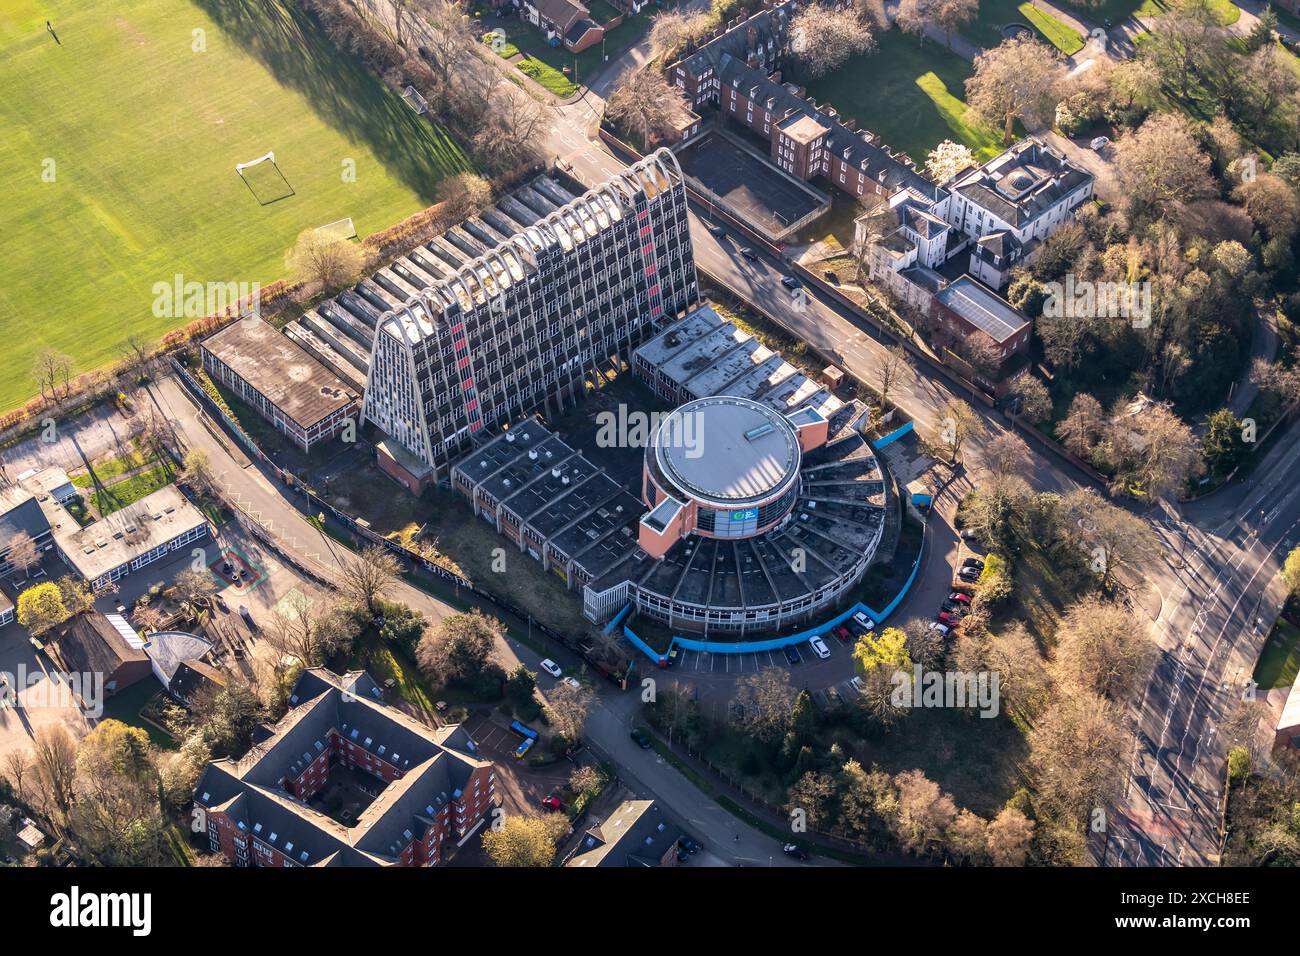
(1280, 661)
(986, 30)
(546, 63)
(1118, 10)
(119, 150)
(911, 95)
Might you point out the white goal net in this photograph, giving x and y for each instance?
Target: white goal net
(269, 157)
(414, 100)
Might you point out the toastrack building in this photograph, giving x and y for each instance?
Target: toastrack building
(519, 326)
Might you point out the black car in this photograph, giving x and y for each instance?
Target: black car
(749, 254)
(688, 844)
(831, 277)
(795, 850)
(715, 230)
(969, 574)
(791, 654)
(790, 282)
(975, 563)
(641, 738)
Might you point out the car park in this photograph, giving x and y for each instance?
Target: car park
(819, 647)
(551, 668)
(641, 737)
(791, 655)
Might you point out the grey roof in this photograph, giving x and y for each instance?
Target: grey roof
(169, 649)
(742, 39)
(983, 309)
(124, 535)
(636, 834)
(281, 370)
(20, 513)
(1021, 184)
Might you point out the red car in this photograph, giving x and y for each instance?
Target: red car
(552, 803)
(946, 618)
(843, 633)
(959, 596)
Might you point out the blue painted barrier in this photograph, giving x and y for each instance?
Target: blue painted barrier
(618, 619)
(892, 437)
(776, 643)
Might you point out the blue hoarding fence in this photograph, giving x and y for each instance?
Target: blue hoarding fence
(775, 643)
(892, 437)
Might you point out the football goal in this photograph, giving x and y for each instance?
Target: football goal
(415, 101)
(264, 179)
(339, 229)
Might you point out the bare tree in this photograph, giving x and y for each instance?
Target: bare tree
(1161, 166)
(822, 37)
(509, 137)
(193, 587)
(1015, 80)
(1078, 752)
(1082, 426)
(54, 756)
(17, 766)
(49, 368)
(948, 159)
(763, 701)
(1155, 453)
(196, 471)
(672, 30)
(368, 577)
(1102, 648)
(1010, 836)
(892, 365)
(567, 707)
(464, 195)
(329, 262)
(1033, 401)
(1116, 543)
(449, 41)
(876, 220)
(313, 633)
(958, 423)
(648, 106)
(457, 647)
(925, 812)
(22, 552)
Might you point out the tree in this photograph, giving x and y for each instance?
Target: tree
(462, 196)
(672, 30)
(1161, 167)
(950, 15)
(1221, 445)
(1009, 837)
(876, 220)
(116, 816)
(1102, 649)
(812, 796)
(1272, 204)
(1116, 542)
(648, 106)
(1082, 426)
(196, 471)
(882, 660)
(1034, 401)
(567, 708)
(968, 838)
(1291, 570)
(313, 633)
(1022, 676)
(1078, 751)
(1154, 451)
(40, 607)
(50, 368)
(892, 365)
(325, 261)
(525, 841)
(822, 37)
(193, 587)
(1184, 42)
(1281, 383)
(224, 717)
(959, 422)
(54, 758)
(520, 686)
(948, 159)
(586, 782)
(458, 646)
(1015, 80)
(22, 552)
(1264, 30)
(925, 813)
(367, 577)
(763, 703)
(1007, 454)
(449, 42)
(509, 136)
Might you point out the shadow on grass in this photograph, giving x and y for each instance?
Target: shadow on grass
(294, 47)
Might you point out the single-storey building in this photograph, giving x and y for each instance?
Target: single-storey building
(180, 661)
(95, 643)
(20, 513)
(635, 834)
(273, 374)
(49, 481)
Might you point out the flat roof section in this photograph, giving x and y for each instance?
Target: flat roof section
(124, 535)
(727, 451)
(301, 387)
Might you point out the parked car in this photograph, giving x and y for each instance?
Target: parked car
(866, 623)
(551, 668)
(641, 738)
(572, 682)
(843, 633)
(960, 597)
(833, 697)
(941, 628)
(969, 575)
(1099, 143)
(673, 654)
(819, 647)
(716, 231)
(948, 606)
(795, 850)
(688, 844)
(791, 655)
(790, 282)
(858, 685)
(831, 277)
(749, 253)
(975, 563)
(552, 803)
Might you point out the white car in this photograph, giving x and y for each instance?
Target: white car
(941, 628)
(572, 682)
(551, 668)
(865, 622)
(819, 647)
(858, 685)
(1100, 143)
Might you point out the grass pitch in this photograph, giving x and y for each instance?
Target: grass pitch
(119, 151)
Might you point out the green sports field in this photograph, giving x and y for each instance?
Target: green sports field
(118, 153)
